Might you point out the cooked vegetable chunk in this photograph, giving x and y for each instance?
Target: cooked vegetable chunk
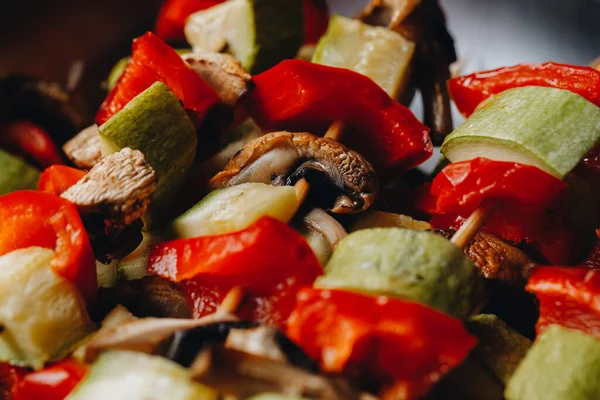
(127, 375)
(421, 266)
(562, 364)
(259, 33)
(155, 123)
(548, 128)
(379, 53)
(42, 314)
(16, 174)
(236, 208)
(500, 347)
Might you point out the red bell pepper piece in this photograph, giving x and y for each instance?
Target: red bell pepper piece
(52, 383)
(10, 376)
(394, 341)
(31, 218)
(30, 142)
(316, 20)
(173, 15)
(470, 90)
(568, 296)
(153, 60)
(269, 258)
(301, 96)
(461, 187)
(58, 178)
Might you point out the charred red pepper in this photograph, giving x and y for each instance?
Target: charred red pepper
(568, 296)
(269, 258)
(30, 142)
(58, 178)
(52, 383)
(470, 90)
(396, 342)
(174, 13)
(31, 218)
(316, 20)
(301, 96)
(10, 376)
(153, 60)
(461, 187)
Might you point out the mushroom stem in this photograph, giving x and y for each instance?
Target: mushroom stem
(335, 132)
(233, 301)
(473, 224)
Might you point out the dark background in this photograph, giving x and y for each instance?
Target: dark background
(43, 37)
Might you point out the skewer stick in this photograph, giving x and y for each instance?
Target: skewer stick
(335, 131)
(233, 301)
(473, 224)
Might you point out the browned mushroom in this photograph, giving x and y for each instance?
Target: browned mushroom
(324, 224)
(223, 72)
(283, 158)
(243, 375)
(118, 188)
(84, 148)
(151, 296)
(423, 22)
(497, 259)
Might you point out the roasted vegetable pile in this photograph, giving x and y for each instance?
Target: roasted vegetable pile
(245, 218)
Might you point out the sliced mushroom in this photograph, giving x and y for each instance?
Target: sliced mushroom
(223, 72)
(118, 188)
(319, 221)
(84, 148)
(243, 375)
(144, 335)
(423, 22)
(497, 259)
(150, 296)
(283, 158)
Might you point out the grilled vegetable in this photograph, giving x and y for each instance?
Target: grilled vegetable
(305, 97)
(235, 208)
(155, 123)
(500, 347)
(470, 90)
(562, 364)
(366, 337)
(258, 33)
(126, 375)
(16, 174)
(152, 61)
(42, 314)
(270, 259)
(379, 53)
(282, 158)
(548, 128)
(31, 218)
(567, 297)
(420, 266)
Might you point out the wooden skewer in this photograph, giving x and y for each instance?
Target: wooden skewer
(233, 301)
(335, 131)
(473, 224)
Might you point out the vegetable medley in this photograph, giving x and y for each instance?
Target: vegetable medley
(244, 217)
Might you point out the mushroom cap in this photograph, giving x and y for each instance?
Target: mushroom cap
(118, 188)
(284, 158)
